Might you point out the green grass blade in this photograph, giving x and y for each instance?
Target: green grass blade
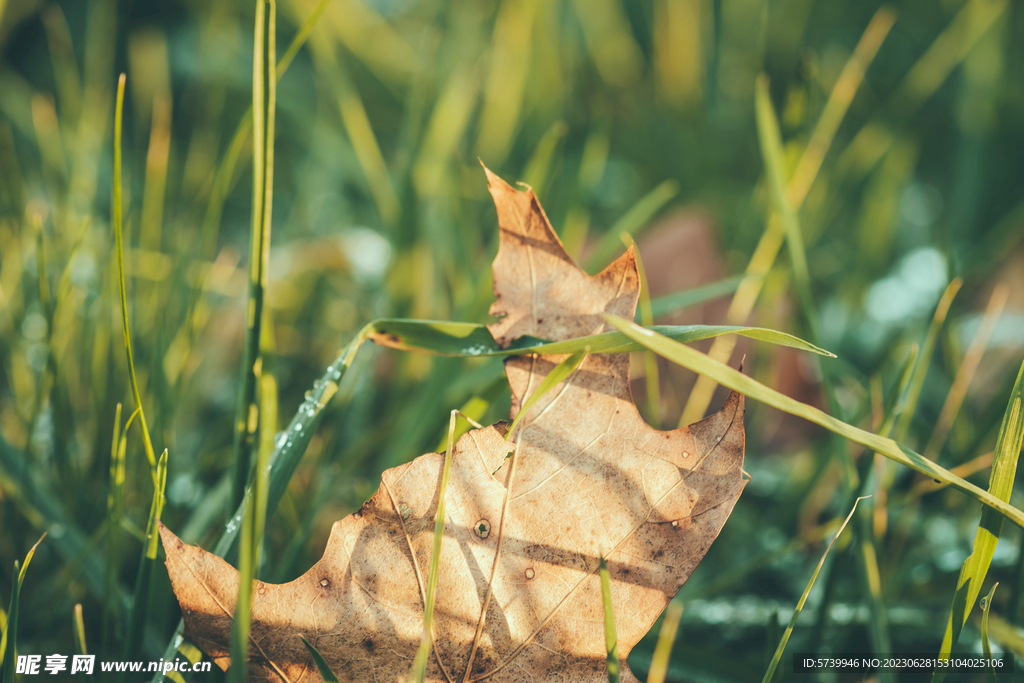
(553, 379)
(10, 627)
(924, 360)
(288, 450)
(774, 664)
(726, 376)
(1006, 634)
(225, 175)
(140, 606)
(539, 166)
(631, 222)
(763, 258)
(651, 379)
(775, 166)
(119, 243)
(611, 640)
(666, 637)
(419, 667)
(470, 339)
(321, 664)
(9, 641)
(80, 645)
(39, 502)
(115, 506)
(247, 411)
(249, 417)
(986, 648)
(975, 567)
(670, 303)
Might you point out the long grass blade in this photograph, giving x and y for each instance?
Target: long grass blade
(666, 637)
(774, 664)
(419, 667)
(806, 172)
(288, 450)
(117, 211)
(249, 418)
(115, 506)
(965, 373)
(924, 360)
(553, 379)
(726, 376)
(611, 639)
(644, 308)
(670, 303)
(470, 339)
(975, 567)
(321, 664)
(247, 411)
(140, 606)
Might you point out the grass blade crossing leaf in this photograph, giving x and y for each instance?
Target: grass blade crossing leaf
(469, 339)
(523, 535)
(553, 379)
(726, 376)
(321, 664)
(611, 640)
(419, 667)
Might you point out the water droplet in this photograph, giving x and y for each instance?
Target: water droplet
(675, 523)
(279, 439)
(325, 583)
(530, 573)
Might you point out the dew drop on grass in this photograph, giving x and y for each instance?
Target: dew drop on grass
(280, 439)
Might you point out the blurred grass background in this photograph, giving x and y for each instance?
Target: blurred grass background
(622, 115)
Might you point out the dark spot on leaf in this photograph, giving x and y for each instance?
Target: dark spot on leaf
(369, 644)
(482, 528)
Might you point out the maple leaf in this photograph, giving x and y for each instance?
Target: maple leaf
(518, 595)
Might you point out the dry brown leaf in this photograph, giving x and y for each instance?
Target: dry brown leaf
(518, 595)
